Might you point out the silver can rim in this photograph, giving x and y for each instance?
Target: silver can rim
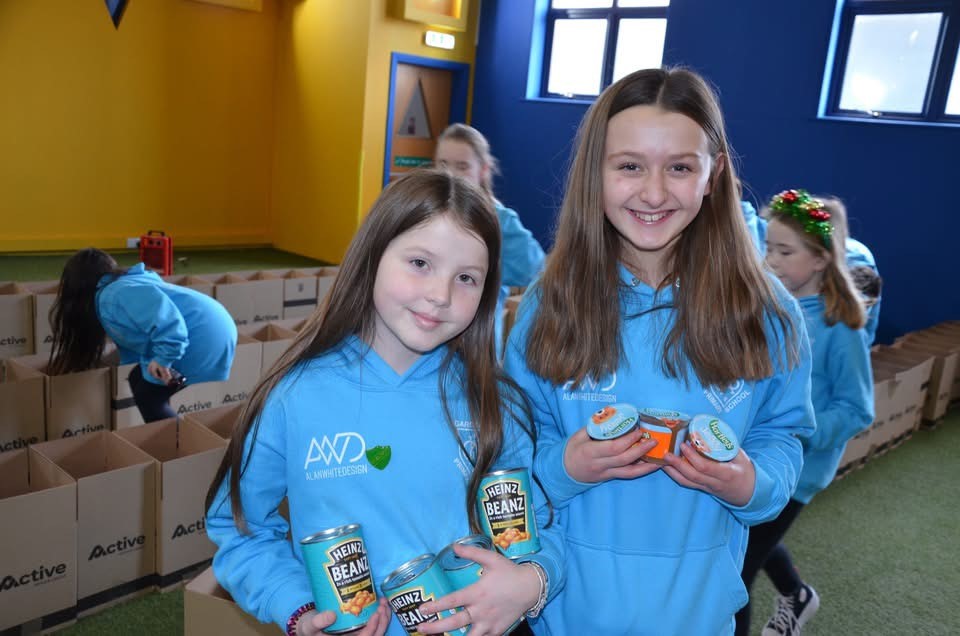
(330, 533)
(408, 571)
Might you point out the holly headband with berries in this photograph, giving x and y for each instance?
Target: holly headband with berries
(811, 213)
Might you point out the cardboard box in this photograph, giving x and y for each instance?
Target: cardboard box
(908, 379)
(208, 609)
(244, 372)
(299, 294)
(220, 420)
(116, 515)
(44, 294)
(943, 375)
(945, 342)
(859, 448)
(275, 340)
(21, 408)
(16, 321)
(196, 283)
(38, 566)
(76, 403)
(123, 409)
(250, 298)
(293, 324)
(187, 456)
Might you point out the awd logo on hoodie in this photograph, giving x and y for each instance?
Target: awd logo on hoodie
(342, 455)
(726, 401)
(591, 390)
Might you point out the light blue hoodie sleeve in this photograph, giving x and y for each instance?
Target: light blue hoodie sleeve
(518, 452)
(784, 416)
(521, 256)
(848, 380)
(551, 440)
(259, 569)
(143, 313)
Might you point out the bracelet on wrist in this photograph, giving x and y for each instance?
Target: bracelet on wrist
(295, 617)
(534, 611)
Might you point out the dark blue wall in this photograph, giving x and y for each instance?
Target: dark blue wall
(766, 60)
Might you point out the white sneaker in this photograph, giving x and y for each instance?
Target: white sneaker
(792, 612)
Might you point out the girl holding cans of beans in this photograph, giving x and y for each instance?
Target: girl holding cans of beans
(653, 296)
(380, 422)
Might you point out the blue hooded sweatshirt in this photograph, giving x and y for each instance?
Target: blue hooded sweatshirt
(756, 225)
(842, 392)
(859, 254)
(178, 327)
(648, 556)
(348, 440)
(521, 255)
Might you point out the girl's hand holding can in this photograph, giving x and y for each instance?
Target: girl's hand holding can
(591, 461)
(313, 623)
(492, 605)
(731, 481)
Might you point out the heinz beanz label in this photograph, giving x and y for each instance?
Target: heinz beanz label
(413, 584)
(506, 512)
(339, 571)
(713, 438)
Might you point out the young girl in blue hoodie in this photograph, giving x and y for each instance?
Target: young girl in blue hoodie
(177, 335)
(386, 411)
(805, 249)
(653, 296)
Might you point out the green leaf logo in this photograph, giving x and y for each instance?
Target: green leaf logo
(379, 457)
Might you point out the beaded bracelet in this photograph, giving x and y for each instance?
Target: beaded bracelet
(534, 611)
(295, 617)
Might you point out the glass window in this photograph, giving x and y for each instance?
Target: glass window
(576, 58)
(588, 44)
(953, 97)
(639, 45)
(582, 4)
(889, 62)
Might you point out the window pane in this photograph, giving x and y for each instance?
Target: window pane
(643, 3)
(576, 57)
(953, 97)
(582, 4)
(888, 64)
(639, 45)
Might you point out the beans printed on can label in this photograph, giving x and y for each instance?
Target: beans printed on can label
(340, 577)
(506, 512)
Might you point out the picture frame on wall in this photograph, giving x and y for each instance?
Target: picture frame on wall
(449, 14)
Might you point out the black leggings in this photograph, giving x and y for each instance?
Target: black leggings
(765, 550)
(153, 400)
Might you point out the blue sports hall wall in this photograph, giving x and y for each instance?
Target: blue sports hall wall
(766, 60)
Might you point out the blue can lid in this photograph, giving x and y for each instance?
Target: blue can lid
(409, 571)
(713, 438)
(449, 560)
(612, 421)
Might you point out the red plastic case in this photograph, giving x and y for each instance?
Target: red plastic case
(156, 252)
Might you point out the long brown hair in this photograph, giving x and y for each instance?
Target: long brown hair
(412, 200)
(78, 336)
(841, 300)
(724, 300)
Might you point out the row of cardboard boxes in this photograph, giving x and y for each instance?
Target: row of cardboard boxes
(251, 297)
(35, 406)
(92, 519)
(915, 380)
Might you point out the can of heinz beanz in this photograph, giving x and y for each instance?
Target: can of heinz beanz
(506, 512)
(411, 585)
(459, 571)
(340, 578)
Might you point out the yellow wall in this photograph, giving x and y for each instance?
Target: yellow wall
(165, 123)
(332, 88)
(319, 104)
